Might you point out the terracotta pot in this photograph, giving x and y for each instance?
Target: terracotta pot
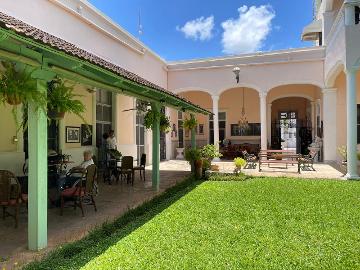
(198, 168)
(56, 115)
(278, 157)
(13, 99)
(215, 168)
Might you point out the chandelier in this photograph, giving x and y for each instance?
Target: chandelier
(243, 122)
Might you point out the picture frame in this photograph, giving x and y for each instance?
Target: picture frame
(72, 134)
(201, 129)
(86, 135)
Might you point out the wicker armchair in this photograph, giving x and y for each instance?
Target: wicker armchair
(10, 191)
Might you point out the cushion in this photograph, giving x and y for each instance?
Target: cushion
(70, 192)
(8, 203)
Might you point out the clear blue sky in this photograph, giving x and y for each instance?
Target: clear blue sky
(271, 25)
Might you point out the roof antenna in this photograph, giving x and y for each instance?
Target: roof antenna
(140, 31)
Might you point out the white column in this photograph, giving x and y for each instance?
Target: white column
(269, 122)
(115, 112)
(328, 19)
(61, 129)
(329, 114)
(351, 116)
(94, 119)
(168, 142)
(349, 14)
(215, 100)
(263, 120)
(313, 118)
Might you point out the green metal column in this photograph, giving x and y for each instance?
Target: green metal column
(193, 135)
(156, 148)
(38, 197)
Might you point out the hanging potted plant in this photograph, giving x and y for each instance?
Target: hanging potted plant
(150, 118)
(61, 100)
(18, 87)
(190, 123)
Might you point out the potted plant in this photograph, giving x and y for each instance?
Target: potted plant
(18, 87)
(61, 100)
(278, 156)
(193, 155)
(239, 163)
(210, 152)
(190, 123)
(150, 118)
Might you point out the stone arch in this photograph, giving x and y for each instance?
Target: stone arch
(192, 89)
(302, 82)
(241, 85)
(333, 74)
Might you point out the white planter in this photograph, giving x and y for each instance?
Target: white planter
(179, 153)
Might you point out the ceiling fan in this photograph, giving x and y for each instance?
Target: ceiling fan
(141, 107)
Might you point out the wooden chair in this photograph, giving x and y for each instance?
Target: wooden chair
(142, 166)
(10, 191)
(127, 169)
(84, 187)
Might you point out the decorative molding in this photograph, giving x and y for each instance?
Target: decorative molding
(327, 91)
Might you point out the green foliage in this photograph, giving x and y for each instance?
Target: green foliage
(16, 84)
(210, 152)
(190, 123)
(265, 223)
(114, 153)
(239, 162)
(192, 154)
(221, 177)
(151, 116)
(342, 150)
(61, 98)
(206, 164)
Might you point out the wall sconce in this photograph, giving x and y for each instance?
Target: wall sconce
(15, 140)
(236, 71)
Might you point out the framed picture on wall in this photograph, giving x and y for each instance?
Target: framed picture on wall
(201, 129)
(86, 135)
(72, 134)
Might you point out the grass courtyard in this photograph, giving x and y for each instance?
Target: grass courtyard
(261, 223)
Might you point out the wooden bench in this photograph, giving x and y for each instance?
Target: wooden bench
(287, 157)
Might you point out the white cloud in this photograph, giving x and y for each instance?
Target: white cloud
(247, 33)
(198, 29)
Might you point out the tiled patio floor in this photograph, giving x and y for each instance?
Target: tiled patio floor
(112, 201)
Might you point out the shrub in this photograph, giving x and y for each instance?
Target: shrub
(192, 154)
(210, 152)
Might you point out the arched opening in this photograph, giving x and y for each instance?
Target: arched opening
(233, 137)
(294, 117)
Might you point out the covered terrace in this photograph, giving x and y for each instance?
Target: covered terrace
(49, 56)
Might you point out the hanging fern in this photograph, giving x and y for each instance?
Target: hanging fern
(151, 116)
(18, 87)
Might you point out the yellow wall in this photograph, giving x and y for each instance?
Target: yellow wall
(73, 120)
(203, 100)
(8, 130)
(125, 120)
(340, 84)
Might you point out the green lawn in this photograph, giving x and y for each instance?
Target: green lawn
(256, 224)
